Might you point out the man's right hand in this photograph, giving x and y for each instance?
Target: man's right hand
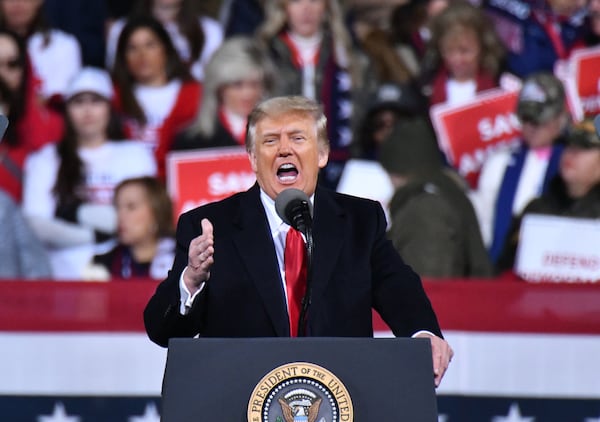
(200, 258)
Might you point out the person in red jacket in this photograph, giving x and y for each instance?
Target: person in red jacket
(154, 91)
(31, 124)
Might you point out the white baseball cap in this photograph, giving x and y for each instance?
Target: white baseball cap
(90, 79)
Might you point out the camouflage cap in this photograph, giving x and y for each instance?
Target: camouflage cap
(583, 135)
(542, 98)
(392, 96)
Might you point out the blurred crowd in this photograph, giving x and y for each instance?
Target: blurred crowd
(98, 92)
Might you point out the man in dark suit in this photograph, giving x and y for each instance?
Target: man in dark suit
(228, 277)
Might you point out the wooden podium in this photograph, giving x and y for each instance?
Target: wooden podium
(299, 379)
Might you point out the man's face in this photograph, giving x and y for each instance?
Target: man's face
(540, 135)
(286, 154)
(580, 168)
(305, 17)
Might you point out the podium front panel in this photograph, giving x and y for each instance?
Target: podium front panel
(388, 379)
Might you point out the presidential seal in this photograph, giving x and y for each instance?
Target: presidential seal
(300, 392)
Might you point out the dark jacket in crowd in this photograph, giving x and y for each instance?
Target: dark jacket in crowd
(220, 138)
(434, 226)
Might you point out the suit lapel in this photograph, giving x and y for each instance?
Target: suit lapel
(257, 251)
(328, 235)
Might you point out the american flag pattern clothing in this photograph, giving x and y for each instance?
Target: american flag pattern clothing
(333, 88)
(535, 37)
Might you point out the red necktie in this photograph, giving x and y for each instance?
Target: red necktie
(295, 276)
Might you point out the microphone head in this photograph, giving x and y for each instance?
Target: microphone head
(286, 203)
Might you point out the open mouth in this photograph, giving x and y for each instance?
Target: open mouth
(287, 173)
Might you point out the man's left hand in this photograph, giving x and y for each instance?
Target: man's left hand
(441, 353)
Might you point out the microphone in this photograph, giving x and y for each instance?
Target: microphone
(294, 208)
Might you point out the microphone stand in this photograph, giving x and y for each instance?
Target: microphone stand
(306, 300)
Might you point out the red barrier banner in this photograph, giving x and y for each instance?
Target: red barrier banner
(479, 305)
(199, 177)
(468, 133)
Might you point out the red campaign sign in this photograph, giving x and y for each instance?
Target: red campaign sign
(199, 177)
(586, 74)
(469, 132)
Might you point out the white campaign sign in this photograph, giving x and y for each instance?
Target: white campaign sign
(555, 248)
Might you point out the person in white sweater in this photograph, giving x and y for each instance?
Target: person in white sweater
(68, 187)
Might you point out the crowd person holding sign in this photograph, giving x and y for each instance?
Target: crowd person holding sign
(233, 275)
(464, 55)
(574, 191)
(513, 176)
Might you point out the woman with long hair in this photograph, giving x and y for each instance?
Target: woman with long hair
(155, 93)
(31, 124)
(68, 186)
(311, 48)
(195, 37)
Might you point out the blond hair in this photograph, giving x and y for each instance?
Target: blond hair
(460, 16)
(238, 58)
(276, 21)
(290, 104)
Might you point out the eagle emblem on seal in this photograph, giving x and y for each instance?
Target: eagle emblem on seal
(300, 405)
